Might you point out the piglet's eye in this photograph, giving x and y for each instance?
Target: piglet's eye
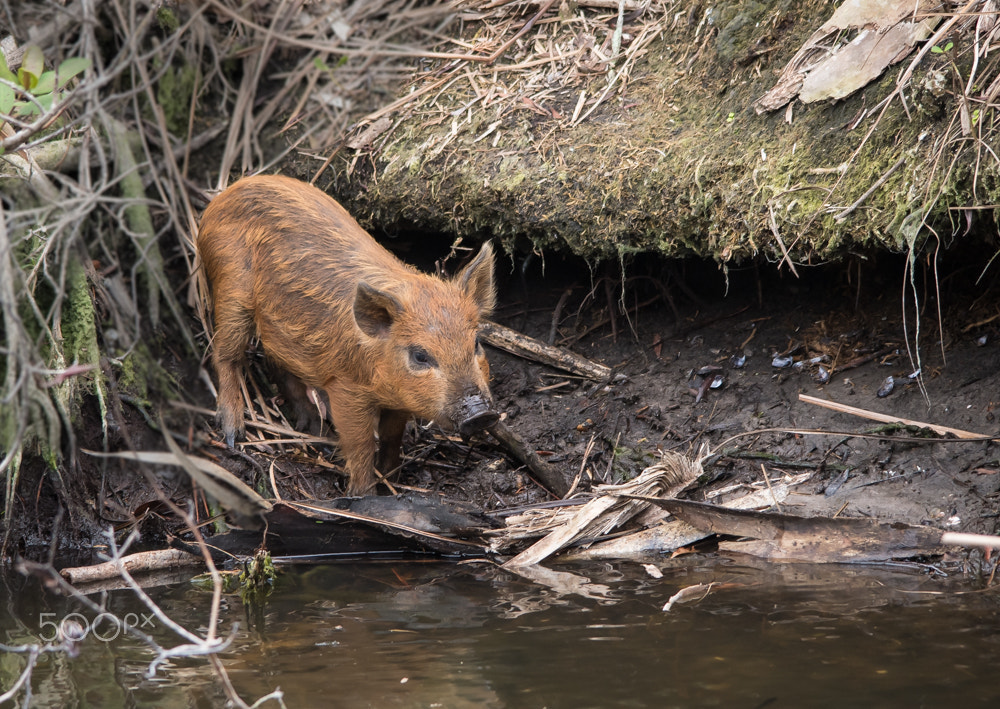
(421, 358)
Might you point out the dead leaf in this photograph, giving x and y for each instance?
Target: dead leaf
(823, 70)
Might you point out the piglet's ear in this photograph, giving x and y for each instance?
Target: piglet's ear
(375, 310)
(476, 280)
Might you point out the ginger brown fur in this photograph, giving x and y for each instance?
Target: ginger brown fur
(341, 314)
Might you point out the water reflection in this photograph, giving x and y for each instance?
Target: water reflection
(430, 634)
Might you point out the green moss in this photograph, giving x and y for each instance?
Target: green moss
(79, 342)
(43, 408)
(167, 19)
(174, 92)
(257, 578)
(79, 327)
(140, 374)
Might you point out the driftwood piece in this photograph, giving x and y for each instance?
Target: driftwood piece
(885, 418)
(359, 527)
(550, 477)
(141, 561)
(815, 539)
(537, 351)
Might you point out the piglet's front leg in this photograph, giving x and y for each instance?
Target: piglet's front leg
(355, 419)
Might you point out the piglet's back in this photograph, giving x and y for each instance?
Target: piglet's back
(270, 234)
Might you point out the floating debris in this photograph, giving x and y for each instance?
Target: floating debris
(653, 571)
(689, 593)
(822, 376)
(913, 375)
(886, 387)
(738, 361)
(982, 340)
(782, 362)
(717, 382)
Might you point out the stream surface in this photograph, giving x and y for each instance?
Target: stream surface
(433, 634)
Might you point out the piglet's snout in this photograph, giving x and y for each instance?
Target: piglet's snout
(475, 412)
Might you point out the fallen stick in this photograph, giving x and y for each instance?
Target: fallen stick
(550, 477)
(529, 348)
(140, 561)
(963, 539)
(884, 418)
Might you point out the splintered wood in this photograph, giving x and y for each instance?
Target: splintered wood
(607, 510)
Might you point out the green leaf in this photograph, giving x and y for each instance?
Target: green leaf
(32, 65)
(67, 70)
(71, 68)
(6, 99)
(31, 108)
(5, 72)
(45, 84)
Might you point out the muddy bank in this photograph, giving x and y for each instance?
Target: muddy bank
(844, 321)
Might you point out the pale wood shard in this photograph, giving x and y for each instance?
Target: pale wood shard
(862, 61)
(963, 539)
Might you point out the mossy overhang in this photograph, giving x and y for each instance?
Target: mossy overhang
(677, 162)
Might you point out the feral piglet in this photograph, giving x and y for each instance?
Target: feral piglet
(344, 317)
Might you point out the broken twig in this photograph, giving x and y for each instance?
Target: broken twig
(529, 348)
(885, 418)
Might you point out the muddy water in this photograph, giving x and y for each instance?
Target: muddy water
(407, 634)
